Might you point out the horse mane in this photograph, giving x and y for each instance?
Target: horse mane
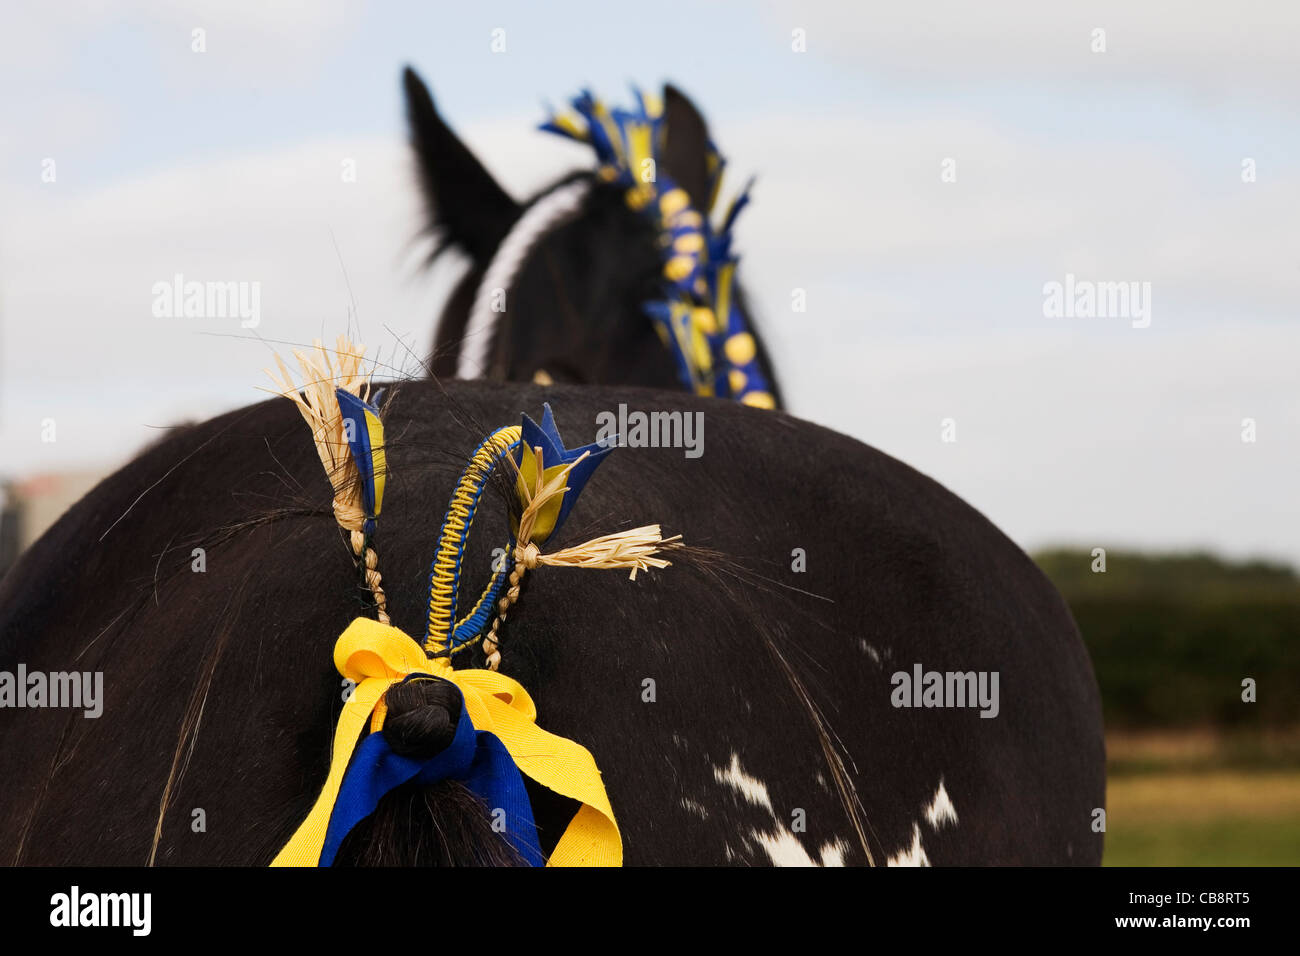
(561, 203)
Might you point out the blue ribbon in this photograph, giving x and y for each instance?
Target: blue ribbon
(358, 413)
(547, 437)
(609, 132)
(477, 758)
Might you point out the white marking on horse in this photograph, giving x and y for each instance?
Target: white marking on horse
(696, 808)
(941, 809)
(753, 790)
(784, 849)
(781, 845)
(913, 855)
(938, 812)
(832, 853)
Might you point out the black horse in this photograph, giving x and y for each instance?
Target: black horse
(574, 308)
(770, 732)
(769, 698)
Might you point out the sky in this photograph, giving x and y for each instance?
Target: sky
(924, 172)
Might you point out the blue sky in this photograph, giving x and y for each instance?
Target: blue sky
(925, 297)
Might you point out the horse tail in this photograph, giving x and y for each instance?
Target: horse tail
(441, 824)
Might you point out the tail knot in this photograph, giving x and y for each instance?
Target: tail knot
(423, 712)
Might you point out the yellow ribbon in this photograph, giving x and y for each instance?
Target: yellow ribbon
(376, 656)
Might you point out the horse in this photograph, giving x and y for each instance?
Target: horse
(574, 266)
(847, 666)
(742, 709)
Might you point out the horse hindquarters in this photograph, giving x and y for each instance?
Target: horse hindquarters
(753, 714)
(738, 708)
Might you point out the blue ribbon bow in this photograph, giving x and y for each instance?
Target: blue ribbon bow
(477, 758)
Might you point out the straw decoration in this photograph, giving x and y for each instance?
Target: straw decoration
(324, 374)
(636, 549)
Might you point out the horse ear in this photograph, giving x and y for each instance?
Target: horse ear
(468, 208)
(686, 146)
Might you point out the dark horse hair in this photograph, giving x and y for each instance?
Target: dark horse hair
(422, 716)
(442, 824)
(221, 694)
(576, 313)
(575, 310)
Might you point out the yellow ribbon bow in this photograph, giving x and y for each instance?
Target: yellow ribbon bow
(375, 656)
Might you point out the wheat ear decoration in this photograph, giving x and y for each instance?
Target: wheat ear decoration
(636, 549)
(322, 372)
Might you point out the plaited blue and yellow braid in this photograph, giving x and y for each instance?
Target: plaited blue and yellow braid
(497, 739)
(548, 478)
(699, 319)
(442, 638)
